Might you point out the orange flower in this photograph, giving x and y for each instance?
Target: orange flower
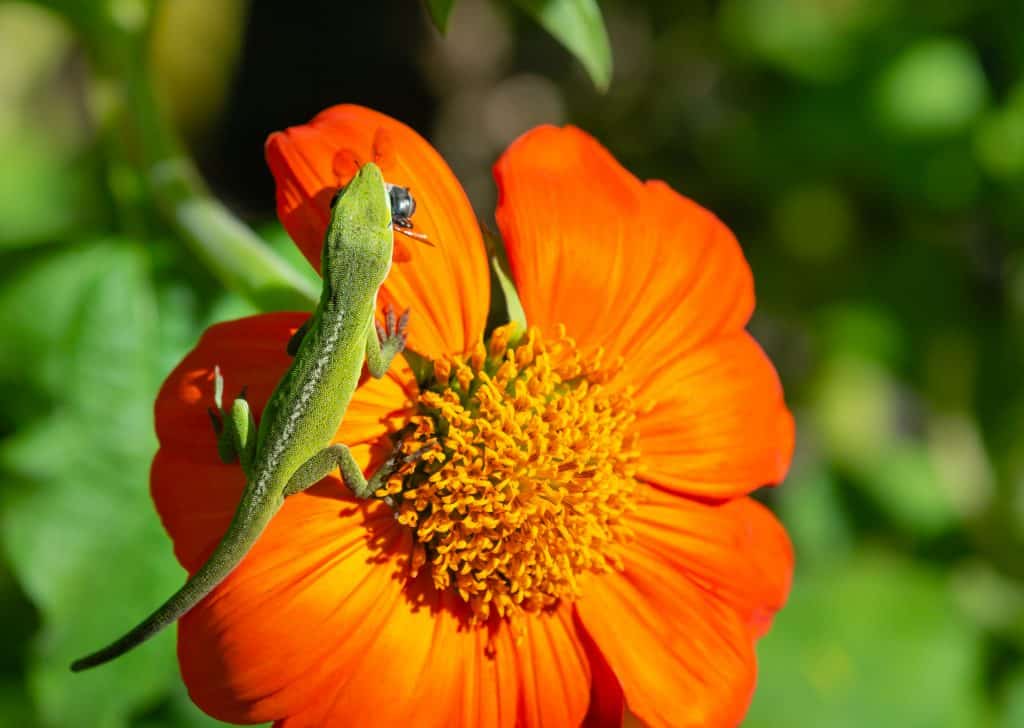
(579, 537)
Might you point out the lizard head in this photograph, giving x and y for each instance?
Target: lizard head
(360, 229)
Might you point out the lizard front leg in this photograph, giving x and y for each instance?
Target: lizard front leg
(235, 429)
(384, 343)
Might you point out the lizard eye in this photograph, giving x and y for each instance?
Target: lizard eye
(402, 203)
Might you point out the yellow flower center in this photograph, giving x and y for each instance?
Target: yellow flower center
(523, 464)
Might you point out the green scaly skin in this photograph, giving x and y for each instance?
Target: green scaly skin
(291, 449)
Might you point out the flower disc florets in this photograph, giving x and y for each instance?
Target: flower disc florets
(524, 464)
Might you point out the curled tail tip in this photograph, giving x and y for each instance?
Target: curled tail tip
(83, 663)
(96, 659)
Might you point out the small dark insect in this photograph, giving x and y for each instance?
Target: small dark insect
(403, 206)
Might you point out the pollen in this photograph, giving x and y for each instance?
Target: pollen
(518, 468)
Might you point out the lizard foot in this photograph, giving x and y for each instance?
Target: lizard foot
(395, 461)
(392, 334)
(233, 428)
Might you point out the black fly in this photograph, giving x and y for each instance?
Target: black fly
(403, 206)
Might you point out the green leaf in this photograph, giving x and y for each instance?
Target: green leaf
(578, 25)
(78, 526)
(439, 12)
(875, 640)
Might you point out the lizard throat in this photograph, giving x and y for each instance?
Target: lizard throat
(522, 466)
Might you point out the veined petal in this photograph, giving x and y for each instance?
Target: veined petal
(340, 639)
(446, 285)
(700, 582)
(719, 426)
(736, 549)
(271, 639)
(632, 267)
(683, 656)
(554, 672)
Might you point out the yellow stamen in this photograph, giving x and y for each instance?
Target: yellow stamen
(525, 464)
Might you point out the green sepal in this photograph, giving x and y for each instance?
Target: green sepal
(422, 367)
(514, 313)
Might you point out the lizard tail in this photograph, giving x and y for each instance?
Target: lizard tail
(240, 537)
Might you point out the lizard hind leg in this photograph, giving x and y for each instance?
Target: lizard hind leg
(340, 457)
(319, 467)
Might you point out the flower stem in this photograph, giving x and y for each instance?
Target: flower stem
(225, 245)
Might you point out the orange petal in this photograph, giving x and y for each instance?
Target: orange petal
(262, 646)
(370, 650)
(683, 656)
(554, 672)
(737, 550)
(319, 624)
(720, 427)
(447, 285)
(384, 665)
(633, 267)
(476, 676)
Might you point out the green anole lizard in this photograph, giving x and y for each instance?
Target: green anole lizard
(292, 450)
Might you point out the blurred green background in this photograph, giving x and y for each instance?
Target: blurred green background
(869, 154)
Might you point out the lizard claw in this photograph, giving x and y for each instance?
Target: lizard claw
(419, 452)
(389, 317)
(398, 458)
(392, 333)
(394, 461)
